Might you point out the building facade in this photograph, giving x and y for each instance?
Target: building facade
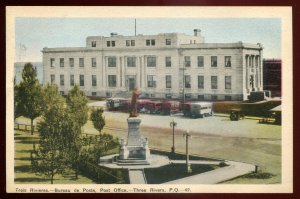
(272, 76)
(169, 65)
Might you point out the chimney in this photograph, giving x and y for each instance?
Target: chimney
(197, 32)
(113, 34)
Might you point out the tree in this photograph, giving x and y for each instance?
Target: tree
(50, 158)
(98, 119)
(28, 95)
(78, 111)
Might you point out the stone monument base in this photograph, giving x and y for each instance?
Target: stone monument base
(135, 150)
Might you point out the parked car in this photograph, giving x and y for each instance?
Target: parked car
(236, 114)
(170, 107)
(153, 107)
(201, 109)
(113, 104)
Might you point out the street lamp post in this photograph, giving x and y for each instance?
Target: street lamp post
(188, 166)
(173, 124)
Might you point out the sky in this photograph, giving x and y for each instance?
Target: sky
(33, 34)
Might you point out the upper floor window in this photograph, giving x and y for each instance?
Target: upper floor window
(108, 43)
(113, 43)
(168, 62)
(227, 61)
(168, 42)
(150, 42)
(131, 61)
(187, 81)
(151, 61)
(187, 61)
(214, 61)
(94, 63)
(61, 62)
(52, 62)
(81, 62)
(200, 61)
(93, 43)
(130, 42)
(112, 61)
(71, 62)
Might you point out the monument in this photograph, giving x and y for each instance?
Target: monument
(135, 149)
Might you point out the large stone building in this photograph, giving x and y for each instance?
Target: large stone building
(169, 65)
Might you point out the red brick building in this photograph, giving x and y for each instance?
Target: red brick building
(272, 76)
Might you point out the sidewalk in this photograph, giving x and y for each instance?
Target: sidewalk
(234, 170)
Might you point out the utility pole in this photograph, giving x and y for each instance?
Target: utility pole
(173, 124)
(188, 166)
(183, 84)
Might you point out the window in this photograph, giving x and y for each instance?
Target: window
(150, 42)
(187, 61)
(113, 43)
(187, 81)
(61, 62)
(168, 96)
(214, 97)
(94, 93)
(214, 82)
(130, 42)
(62, 92)
(131, 61)
(52, 77)
(93, 43)
(168, 42)
(81, 80)
(168, 81)
(71, 80)
(94, 63)
(62, 80)
(200, 97)
(214, 61)
(52, 62)
(168, 62)
(71, 62)
(108, 43)
(112, 80)
(94, 80)
(151, 61)
(150, 81)
(200, 61)
(81, 62)
(227, 82)
(201, 82)
(112, 61)
(227, 97)
(227, 61)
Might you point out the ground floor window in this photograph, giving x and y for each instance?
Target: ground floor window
(52, 77)
(81, 80)
(214, 97)
(187, 81)
(94, 93)
(227, 82)
(200, 97)
(151, 81)
(168, 81)
(62, 80)
(214, 82)
(112, 80)
(227, 97)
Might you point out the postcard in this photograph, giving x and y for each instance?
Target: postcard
(149, 99)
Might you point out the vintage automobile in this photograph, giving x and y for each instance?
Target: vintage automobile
(153, 107)
(201, 109)
(186, 108)
(113, 104)
(170, 107)
(236, 114)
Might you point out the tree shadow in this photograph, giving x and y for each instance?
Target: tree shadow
(23, 168)
(30, 180)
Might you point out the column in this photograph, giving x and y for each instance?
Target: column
(247, 72)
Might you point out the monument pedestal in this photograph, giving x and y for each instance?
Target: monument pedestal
(136, 149)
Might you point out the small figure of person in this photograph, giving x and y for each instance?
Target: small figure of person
(135, 95)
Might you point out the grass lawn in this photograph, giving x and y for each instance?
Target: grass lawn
(263, 150)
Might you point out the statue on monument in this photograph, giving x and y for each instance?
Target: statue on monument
(135, 95)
